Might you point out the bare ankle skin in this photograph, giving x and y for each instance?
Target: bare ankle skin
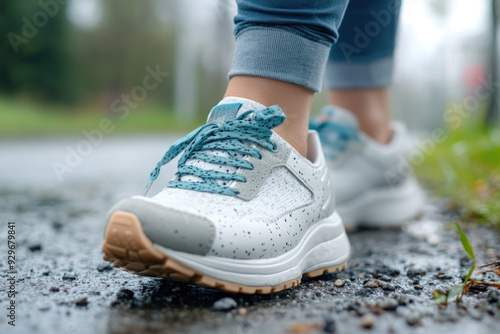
(294, 100)
(372, 108)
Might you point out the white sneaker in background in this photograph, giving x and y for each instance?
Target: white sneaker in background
(372, 182)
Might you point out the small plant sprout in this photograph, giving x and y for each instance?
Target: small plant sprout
(460, 290)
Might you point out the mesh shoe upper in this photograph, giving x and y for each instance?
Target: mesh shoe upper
(267, 209)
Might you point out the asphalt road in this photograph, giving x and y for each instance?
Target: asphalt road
(64, 286)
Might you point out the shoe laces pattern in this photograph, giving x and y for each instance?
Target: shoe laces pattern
(238, 137)
(336, 137)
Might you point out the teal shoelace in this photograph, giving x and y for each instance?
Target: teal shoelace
(234, 137)
(334, 136)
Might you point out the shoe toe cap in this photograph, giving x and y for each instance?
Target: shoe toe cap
(169, 227)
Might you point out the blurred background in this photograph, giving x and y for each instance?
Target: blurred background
(158, 66)
(61, 65)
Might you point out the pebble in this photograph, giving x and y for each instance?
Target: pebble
(54, 289)
(364, 292)
(493, 296)
(412, 319)
(104, 267)
(443, 276)
(419, 287)
(82, 302)
(339, 283)
(389, 304)
(330, 325)
(57, 225)
(385, 278)
(68, 277)
(241, 311)
(43, 306)
(367, 321)
(492, 253)
(388, 287)
(225, 304)
(125, 294)
(35, 247)
(371, 285)
(415, 272)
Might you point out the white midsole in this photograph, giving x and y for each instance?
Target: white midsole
(313, 252)
(384, 207)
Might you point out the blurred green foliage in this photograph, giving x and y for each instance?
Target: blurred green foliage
(34, 60)
(466, 169)
(27, 119)
(57, 62)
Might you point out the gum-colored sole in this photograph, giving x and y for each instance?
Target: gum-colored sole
(127, 247)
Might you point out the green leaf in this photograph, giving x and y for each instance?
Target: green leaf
(466, 244)
(440, 299)
(456, 290)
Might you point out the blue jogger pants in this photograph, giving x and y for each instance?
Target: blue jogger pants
(293, 41)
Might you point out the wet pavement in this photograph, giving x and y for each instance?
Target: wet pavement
(64, 286)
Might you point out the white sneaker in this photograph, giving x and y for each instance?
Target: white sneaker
(244, 213)
(372, 182)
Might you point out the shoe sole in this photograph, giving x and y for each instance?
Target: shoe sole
(384, 208)
(127, 247)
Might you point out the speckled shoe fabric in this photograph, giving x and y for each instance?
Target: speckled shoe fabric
(372, 183)
(244, 213)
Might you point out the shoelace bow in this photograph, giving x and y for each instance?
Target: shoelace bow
(335, 136)
(234, 137)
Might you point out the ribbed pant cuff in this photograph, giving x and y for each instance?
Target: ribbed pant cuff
(278, 53)
(377, 73)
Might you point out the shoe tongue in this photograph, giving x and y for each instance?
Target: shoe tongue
(338, 115)
(230, 108)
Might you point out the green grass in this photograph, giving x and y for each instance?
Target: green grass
(21, 119)
(466, 169)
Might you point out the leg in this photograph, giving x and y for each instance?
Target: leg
(280, 54)
(373, 184)
(246, 211)
(371, 107)
(359, 69)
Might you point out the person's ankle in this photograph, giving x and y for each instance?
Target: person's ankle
(382, 135)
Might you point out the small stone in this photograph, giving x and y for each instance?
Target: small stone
(104, 267)
(339, 283)
(330, 325)
(385, 278)
(241, 311)
(35, 247)
(367, 321)
(389, 304)
(364, 292)
(412, 319)
(416, 281)
(57, 225)
(125, 294)
(415, 272)
(69, 277)
(371, 285)
(476, 314)
(82, 302)
(443, 276)
(491, 253)
(388, 287)
(493, 296)
(225, 304)
(54, 289)
(43, 307)
(419, 287)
